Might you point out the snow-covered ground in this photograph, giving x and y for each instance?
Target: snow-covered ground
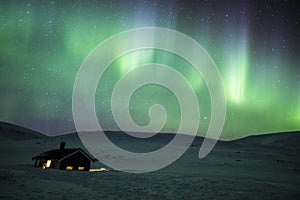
(259, 167)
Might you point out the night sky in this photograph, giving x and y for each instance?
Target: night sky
(255, 45)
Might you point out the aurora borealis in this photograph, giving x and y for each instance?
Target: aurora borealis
(253, 43)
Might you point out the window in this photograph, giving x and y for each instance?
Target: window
(80, 168)
(48, 164)
(69, 168)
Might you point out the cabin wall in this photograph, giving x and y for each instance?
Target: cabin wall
(77, 161)
(55, 164)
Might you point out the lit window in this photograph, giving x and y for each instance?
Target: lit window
(69, 168)
(48, 163)
(80, 168)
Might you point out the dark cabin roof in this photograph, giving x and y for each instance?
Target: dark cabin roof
(60, 154)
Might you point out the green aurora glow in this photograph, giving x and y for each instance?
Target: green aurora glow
(254, 45)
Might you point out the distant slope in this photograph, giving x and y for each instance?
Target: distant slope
(285, 140)
(15, 132)
(274, 139)
(288, 140)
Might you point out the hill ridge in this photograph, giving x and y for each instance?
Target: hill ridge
(16, 132)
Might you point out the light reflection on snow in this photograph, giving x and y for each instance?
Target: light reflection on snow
(99, 169)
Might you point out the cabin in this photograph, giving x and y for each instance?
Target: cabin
(64, 159)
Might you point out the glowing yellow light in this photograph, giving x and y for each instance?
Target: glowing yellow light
(69, 168)
(48, 163)
(99, 170)
(80, 168)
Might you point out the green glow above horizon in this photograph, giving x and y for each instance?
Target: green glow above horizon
(237, 78)
(43, 45)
